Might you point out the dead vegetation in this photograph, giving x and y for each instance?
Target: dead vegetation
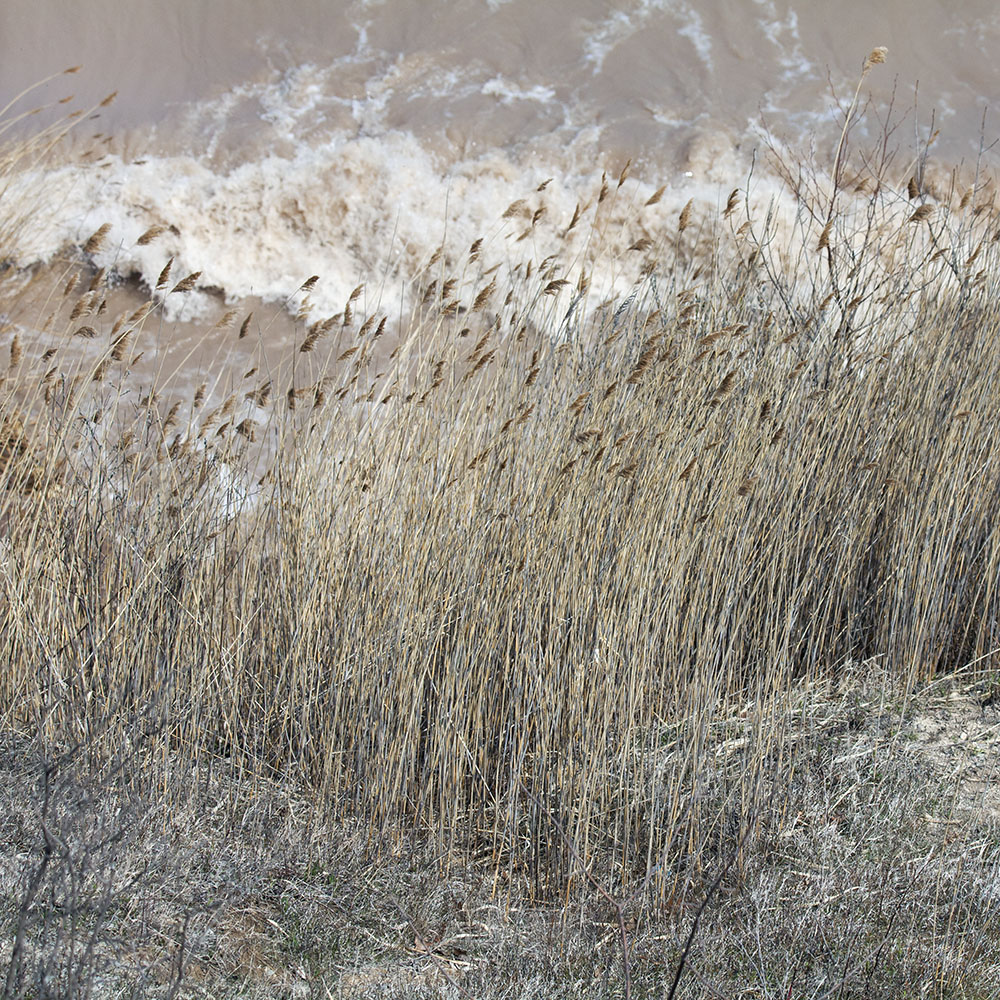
(541, 587)
(875, 873)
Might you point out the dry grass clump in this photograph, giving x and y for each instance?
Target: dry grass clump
(873, 881)
(499, 575)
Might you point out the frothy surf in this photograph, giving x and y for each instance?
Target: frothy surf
(352, 210)
(420, 132)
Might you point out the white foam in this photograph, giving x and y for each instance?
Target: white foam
(693, 29)
(508, 92)
(622, 25)
(783, 33)
(352, 210)
(606, 37)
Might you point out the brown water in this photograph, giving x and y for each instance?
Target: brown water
(505, 72)
(349, 139)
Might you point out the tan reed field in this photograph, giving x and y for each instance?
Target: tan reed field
(501, 571)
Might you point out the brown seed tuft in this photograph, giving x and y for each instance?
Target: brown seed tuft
(226, 321)
(684, 220)
(140, 314)
(119, 345)
(484, 296)
(245, 326)
(656, 195)
(171, 417)
(726, 385)
(645, 361)
(481, 363)
(260, 395)
(732, 202)
(164, 277)
(96, 241)
(186, 284)
(154, 232)
(921, 213)
(518, 207)
(875, 57)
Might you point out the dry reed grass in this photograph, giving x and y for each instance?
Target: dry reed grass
(504, 597)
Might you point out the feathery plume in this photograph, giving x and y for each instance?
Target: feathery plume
(186, 284)
(154, 232)
(97, 239)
